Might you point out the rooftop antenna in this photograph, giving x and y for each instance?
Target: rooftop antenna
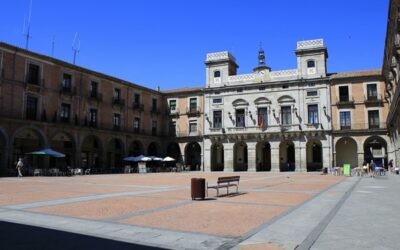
(52, 46)
(76, 45)
(27, 26)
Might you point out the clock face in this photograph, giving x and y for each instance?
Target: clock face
(261, 72)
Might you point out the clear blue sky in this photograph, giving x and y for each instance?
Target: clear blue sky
(164, 42)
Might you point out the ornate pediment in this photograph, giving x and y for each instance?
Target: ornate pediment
(286, 99)
(262, 101)
(240, 102)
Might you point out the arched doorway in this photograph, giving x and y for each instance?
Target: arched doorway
(115, 152)
(240, 156)
(135, 148)
(174, 151)
(64, 143)
(375, 149)
(27, 140)
(152, 149)
(91, 151)
(263, 156)
(314, 155)
(287, 156)
(346, 152)
(217, 157)
(193, 156)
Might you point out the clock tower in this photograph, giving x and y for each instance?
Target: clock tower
(262, 67)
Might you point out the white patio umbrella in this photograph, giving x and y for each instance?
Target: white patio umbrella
(155, 158)
(143, 158)
(168, 159)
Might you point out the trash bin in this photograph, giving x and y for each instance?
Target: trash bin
(325, 170)
(198, 188)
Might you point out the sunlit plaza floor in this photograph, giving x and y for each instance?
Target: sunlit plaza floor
(154, 208)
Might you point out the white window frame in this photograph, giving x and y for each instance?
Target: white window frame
(213, 98)
(41, 76)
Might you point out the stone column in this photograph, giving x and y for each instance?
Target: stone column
(228, 157)
(275, 156)
(300, 156)
(360, 159)
(206, 158)
(251, 156)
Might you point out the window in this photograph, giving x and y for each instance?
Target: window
(93, 89)
(373, 118)
(136, 124)
(344, 94)
(117, 121)
(154, 105)
(345, 120)
(172, 105)
(172, 128)
(117, 94)
(240, 118)
(312, 93)
(239, 90)
(65, 113)
(31, 107)
(33, 74)
(313, 114)
(311, 64)
(192, 127)
(93, 118)
(217, 73)
(286, 115)
(136, 99)
(262, 114)
(66, 82)
(217, 100)
(285, 86)
(372, 93)
(261, 88)
(217, 119)
(154, 127)
(193, 105)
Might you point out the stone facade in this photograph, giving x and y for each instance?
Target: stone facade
(268, 120)
(391, 68)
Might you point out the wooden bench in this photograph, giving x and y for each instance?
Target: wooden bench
(225, 182)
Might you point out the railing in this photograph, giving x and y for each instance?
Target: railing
(186, 133)
(138, 106)
(361, 126)
(345, 101)
(118, 101)
(68, 91)
(95, 96)
(373, 100)
(193, 110)
(173, 112)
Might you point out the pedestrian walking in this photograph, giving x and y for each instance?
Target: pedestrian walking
(19, 167)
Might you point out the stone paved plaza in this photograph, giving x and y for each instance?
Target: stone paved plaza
(272, 210)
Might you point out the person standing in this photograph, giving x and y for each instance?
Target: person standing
(20, 164)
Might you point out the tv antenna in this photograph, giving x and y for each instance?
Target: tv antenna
(27, 26)
(76, 45)
(52, 45)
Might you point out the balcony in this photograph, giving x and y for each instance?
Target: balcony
(116, 101)
(155, 110)
(174, 112)
(193, 111)
(33, 85)
(67, 91)
(116, 127)
(95, 96)
(381, 126)
(345, 102)
(138, 106)
(373, 100)
(186, 133)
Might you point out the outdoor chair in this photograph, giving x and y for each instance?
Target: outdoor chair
(78, 171)
(37, 172)
(87, 171)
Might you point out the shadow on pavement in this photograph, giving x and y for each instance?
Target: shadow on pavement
(18, 236)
